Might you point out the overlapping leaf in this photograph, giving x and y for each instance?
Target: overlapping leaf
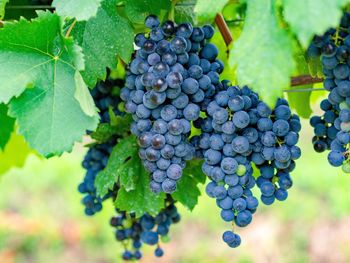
(103, 38)
(263, 53)
(2, 8)
(6, 126)
(206, 12)
(80, 9)
(184, 11)
(137, 11)
(187, 191)
(14, 154)
(311, 17)
(41, 65)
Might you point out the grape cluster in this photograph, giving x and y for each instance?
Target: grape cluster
(105, 96)
(144, 230)
(134, 232)
(332, 128)
(94, 161)
(173, 76)
(240, 130)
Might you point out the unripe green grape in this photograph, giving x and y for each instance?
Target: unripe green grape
(165, 239)
(343, 105)
(127, 223)
(274, 179)
(346, 167)
(121, 106)
(241, 170)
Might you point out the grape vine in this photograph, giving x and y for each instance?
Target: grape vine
(168, 102)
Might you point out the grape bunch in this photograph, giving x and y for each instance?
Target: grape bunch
(240, 130)
(173, 76)
(105, 96)
(94, 161)
(134, 232)
(332, 128)
(144, 230)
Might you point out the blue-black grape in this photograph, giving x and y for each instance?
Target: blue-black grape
(332, 127)
(240, 130)
(168, 83)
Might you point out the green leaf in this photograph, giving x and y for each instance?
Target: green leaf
(137, 11)
(40, 58)
(80, 9)
(184, 11)
(7, 124)
(263, 53)
(103, 132)
(141, 200)
(15, 153)
(115, 38)
(121, 159)
(187, 191)
(82, 94)
(312, 17)
(204, 13)
(300, 101)
(120, 125)
(2, 8)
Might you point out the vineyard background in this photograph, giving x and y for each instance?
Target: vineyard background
(41, 219)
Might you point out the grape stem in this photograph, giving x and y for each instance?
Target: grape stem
(227, 36)
(224, 29)
(71, 28)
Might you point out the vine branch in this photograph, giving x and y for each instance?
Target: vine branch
(224, 29)
(227, 36)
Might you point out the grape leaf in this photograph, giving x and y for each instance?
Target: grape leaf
(122, 164)
(204, 13)
(137, 11)
(80, 9)
(6, 126)
(300, 101)
(142, 199)
(120, 125)
(40, 58)
(187, 191)
(184, 11)
(263, 53)
(2, 8)
(115, 37)
(310, 17)
(103, 132)
(15, 153)
(83, 95)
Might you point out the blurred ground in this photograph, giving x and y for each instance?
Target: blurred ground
(41, 220)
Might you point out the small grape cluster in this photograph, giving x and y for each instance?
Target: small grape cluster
(173, 76)
(134, 232)
(94, 161)
(332, 128)
(105, 96)
(240, 130)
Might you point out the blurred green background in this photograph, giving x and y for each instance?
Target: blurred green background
(41, 219)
